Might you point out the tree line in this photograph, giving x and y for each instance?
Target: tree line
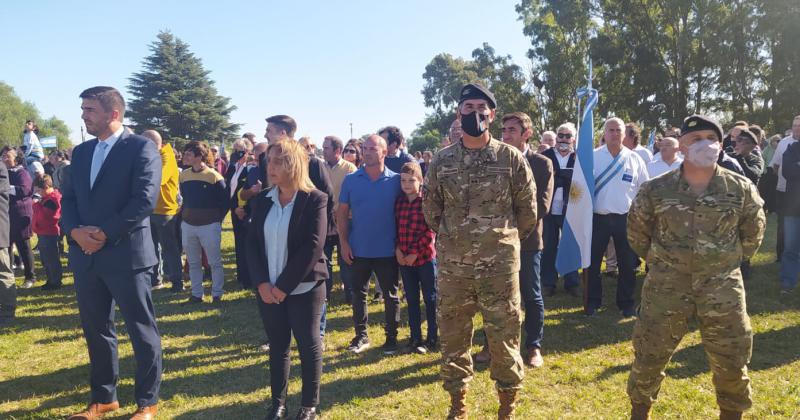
(655, 62)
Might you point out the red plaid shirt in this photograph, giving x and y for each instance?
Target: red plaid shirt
(413, 234)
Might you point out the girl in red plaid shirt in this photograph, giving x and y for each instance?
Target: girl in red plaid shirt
(417, 258)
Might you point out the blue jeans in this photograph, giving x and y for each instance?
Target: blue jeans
(531, 290)
(551, 233)
(414, 278)
(790, 260)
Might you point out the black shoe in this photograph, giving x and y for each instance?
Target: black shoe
(176, 287)
(629, 313)
(276, 412)
(416, 346)
(192, 300)
(50, 286)
(306, 413)
(358, 344)
(549, 291)
(432, 344)
(390, 346)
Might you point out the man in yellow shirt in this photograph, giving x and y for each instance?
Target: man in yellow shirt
(163, 223)
(338, 168)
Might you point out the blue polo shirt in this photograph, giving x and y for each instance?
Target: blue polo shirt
(372, 229)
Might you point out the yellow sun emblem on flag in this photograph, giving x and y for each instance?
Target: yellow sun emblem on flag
(575, 191)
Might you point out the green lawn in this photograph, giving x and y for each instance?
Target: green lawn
(213, 369)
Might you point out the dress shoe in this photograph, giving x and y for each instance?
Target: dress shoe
(145, 413)
(533, 358)
(96, 411)
(276, 412)
(482, 356)
(306, 413)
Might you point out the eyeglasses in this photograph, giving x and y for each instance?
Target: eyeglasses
(350, 151)
(564, 135)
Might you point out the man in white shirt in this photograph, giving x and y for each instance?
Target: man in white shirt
(775, 163)
(631, 140)
(618, 174)
(668, 158)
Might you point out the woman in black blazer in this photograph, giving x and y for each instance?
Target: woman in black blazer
(287, 264)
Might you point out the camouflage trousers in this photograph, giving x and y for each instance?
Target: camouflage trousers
(669, 300)
(498, 300)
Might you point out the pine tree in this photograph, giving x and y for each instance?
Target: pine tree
(174, 95)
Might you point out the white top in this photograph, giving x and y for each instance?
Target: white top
(276, 236)
(557, 205)
(644, 153)
(32, 145)
(235, 179)
(659, 167)
(616, 196)
(777, 159)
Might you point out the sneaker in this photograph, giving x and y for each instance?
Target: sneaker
(358, 344)
(390, 346)
(50, 286)
(28, 284)
(416, 346)
(193, 300)
(264, 347)
(159, 285)
(786, 291)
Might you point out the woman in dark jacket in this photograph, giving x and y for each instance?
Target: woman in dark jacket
(286, 262)
(20, 210)
(790, 260)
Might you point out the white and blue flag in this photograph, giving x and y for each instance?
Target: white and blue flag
(575, 246)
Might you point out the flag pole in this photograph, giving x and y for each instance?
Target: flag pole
(584, 271)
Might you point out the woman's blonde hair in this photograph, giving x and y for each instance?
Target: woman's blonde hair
(294, 159)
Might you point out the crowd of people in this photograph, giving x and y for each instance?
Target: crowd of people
(474, 227)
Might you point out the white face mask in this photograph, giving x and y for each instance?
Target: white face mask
(703, 153)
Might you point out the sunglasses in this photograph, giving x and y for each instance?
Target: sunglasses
(349, 150)
(564, 135)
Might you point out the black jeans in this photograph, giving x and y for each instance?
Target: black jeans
(606, 226)
(386, 270)
(297, 315)
(51, 262)
(26, 256)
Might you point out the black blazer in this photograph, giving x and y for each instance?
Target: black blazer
(240, 183)
(308, 226)
(120, 203)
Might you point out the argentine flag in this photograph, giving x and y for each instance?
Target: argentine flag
(575, 246)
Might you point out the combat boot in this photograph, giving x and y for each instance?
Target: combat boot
(508, 402)
(729, 414)
(458, 406)
(640, 411)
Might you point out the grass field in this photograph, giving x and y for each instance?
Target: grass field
(213, 368)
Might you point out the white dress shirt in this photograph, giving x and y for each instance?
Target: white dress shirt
(777, 159)
(276, 236)
(557, 205)
(659, 167)
(644, 153)
(235, 178)
(618, 193)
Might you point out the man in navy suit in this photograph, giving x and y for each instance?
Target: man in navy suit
(108, 196)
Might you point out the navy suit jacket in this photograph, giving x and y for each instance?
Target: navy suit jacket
(120, 203)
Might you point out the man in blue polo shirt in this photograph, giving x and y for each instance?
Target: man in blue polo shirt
(367, 240)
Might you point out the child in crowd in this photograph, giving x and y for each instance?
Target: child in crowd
(417, 258)
(46, 214)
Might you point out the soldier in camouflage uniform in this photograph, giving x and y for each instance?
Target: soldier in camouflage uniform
(694, 225)
(481, 200)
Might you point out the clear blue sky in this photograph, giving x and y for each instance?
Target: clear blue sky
(326, 63)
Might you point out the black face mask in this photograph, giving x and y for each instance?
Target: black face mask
(235, 156)
(474, 124)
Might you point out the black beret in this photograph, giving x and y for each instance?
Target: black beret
(748, 134)
(701, 122)
(476, 91)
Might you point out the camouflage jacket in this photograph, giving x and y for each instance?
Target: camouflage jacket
(481, 203)
(690, 234)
